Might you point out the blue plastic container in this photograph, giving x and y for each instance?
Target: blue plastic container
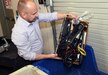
(57, 67)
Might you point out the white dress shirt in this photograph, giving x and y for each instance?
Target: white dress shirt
(27, 36)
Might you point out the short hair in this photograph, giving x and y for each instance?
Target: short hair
(22, 5)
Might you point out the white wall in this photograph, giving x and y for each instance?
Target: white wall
(14, 7)
(98, 25)
(1, 33)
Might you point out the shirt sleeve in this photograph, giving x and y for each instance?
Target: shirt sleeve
(24, 48)
(47, 17)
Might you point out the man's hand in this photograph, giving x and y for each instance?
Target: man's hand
(54, 56)
(71, 15)
(47, 56)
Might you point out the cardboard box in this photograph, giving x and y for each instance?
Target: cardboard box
(29, 70)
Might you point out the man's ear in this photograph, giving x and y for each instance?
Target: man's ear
(23, 15)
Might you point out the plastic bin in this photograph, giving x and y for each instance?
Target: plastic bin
(57, 67)
(29, 70)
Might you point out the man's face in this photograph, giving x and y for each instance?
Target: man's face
(32, 14)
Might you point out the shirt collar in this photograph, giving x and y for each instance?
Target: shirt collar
(24, 21)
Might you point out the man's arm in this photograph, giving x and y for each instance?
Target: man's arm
(64, 15)
(47, 56)
(47, 17)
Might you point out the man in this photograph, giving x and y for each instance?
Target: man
(26, 33)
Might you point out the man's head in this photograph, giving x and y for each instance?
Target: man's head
(27, 10)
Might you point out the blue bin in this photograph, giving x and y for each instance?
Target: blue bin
(57, 67)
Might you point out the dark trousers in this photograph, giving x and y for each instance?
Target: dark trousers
(19, 62)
